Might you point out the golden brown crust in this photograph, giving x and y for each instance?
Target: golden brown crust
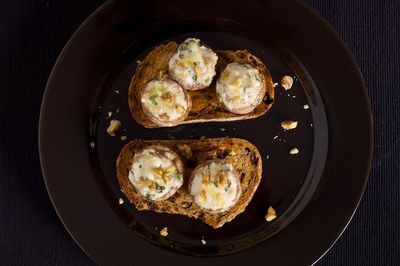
(205, 104)
(243, 155)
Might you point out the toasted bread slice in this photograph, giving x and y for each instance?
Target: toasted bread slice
(205, 104)
(243, 155)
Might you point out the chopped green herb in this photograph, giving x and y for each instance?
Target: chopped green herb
(181, 56)
(147, 196)
(228, 186)
(257, 77)
(194, 77)
(195, 63)
(184, 46)
(178, 176)
(153, 99)
(159, 188)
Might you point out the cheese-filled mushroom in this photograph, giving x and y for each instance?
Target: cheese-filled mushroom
(193, 65)
(165, 102)
(240, 88)
(156, 172)
(215, 186)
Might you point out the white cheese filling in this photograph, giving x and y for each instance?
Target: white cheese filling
(154, 174)
(239, 87)
(193, 64)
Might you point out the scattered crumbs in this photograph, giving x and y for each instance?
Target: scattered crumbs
(287, 82)
(222, 129)
(120, 201)
(289, 124)
(138, 61)
(275, 84)
(294, 96)
(311, 125)
(203, 241)
(116, 91)
(117, 111)
(164, 231)
(123, 138)
(114, 126)
(306, 106)
(271, 214)
(294, 151)
(109, 114)
(267, 157)
(276, 137)
(122, 190)
(202, 138)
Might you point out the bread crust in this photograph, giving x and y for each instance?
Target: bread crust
(243, 155)
(205, 104)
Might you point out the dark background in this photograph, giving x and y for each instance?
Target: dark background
(32, 34)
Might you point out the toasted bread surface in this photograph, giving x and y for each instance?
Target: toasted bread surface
(243, 155)
(205, 104)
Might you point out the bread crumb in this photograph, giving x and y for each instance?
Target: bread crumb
(114, 126)
(202, 138)
(109, 115)
(275, 84)
(138, 61)
(116, 91)
(120, 201)
(203, 241)
(287, 82)
(294, 151)
(222, 129)
(164, 231)
(288, 124)
(306, 106)
(276, 137)
(185, 150)
(123, 138)
(271, 214)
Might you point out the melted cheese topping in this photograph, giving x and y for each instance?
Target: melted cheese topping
(193, 64)
(165, 100)
(239, 87)
(154, 174)
(215, 186)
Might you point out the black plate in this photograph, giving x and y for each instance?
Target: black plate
(315, 193)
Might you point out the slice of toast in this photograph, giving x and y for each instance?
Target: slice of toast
(243, 155)
(205, 104)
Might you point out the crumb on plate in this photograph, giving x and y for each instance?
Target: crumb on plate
(271, 214)
(287, 82)
(114, 126)
(294, 151)
(203, 241)
(120, 201)
(289, 124)
(306, 106)
(164, 231)
(123, 138)
(109, 114)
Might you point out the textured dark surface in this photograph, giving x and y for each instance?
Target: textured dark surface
(34, 32)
